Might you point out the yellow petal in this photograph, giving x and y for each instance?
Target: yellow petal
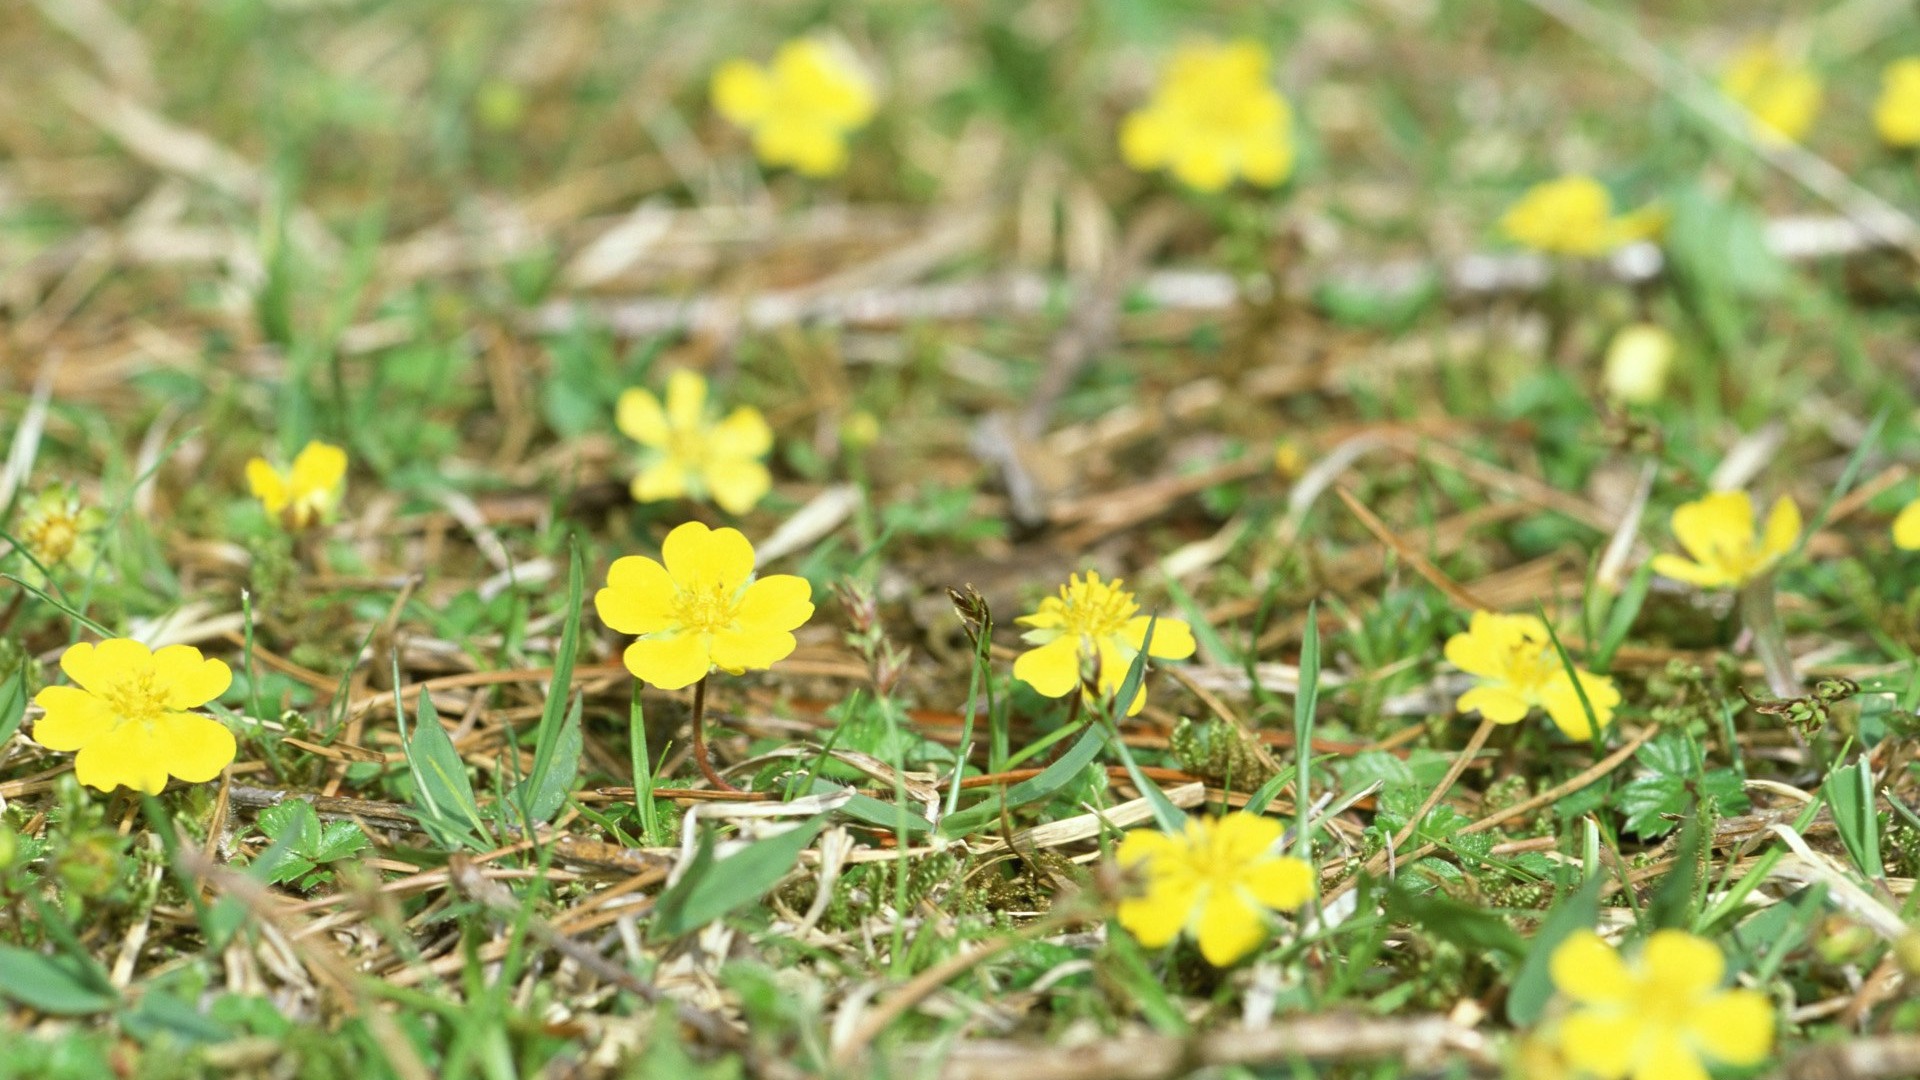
(1496, 703)
(1159, 916)
(1783, 528)
(1144, 140)
(195, 748)
(665, 479)
(1735, 1027)
(737, 484)
(639, 417)
(1242, 838)
(1599, 1044)
(669, 662)
(756, 650)
(1202, 167)
(638, 598)
(1665, 1055)
(99, 667)
(1717, 523)
(267, 485)
(1145, 845)
(1693, 573)
(742, 92)
(1588, 970)
(1268, 162)
(1484, 648)
(1682, 965)
(1172, 638)
(1229, 928)
(776, 602)
(686, 399)
(744, 433)
(189, 679)
(319, 467)
(1052, 669)
(74, 718)
(1563, 703)
(1283, 883)
(1906, 527)
(700, 558)
(131, 757)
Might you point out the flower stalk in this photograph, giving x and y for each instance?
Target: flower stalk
(1761, 618)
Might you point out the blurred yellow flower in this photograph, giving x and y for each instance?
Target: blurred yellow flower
(59, 531)
(1638, 360)
(1661, 1015)
(703, 609)
(690, 454)
(1897, 114)
(127, 715)
(1093, 620)
(1719, 530)
(1518, 669)
(305, 495)
(1906, 527)
(1288, 460)
(801, 108)
(1573, 215)
(1780, 95)
(1214, 117)
(860, 430)
(1215, 881)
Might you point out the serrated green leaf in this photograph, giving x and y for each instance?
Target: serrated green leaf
(712, 888)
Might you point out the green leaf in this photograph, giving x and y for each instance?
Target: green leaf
(1305, 703)
(712, 888)
(1051, 779)
(556, 754)
(1849, 790)
(1169, 817)
(443, 796)
(889, 816)
(13, 705)
(1533, 985)
(54, 984)
(162, 1015)
(1470, 926)
(1672, 904)
(294, 828)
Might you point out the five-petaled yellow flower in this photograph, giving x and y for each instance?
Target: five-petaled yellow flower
(1719, 531)
(801, 108)
(1896, 116)
(127, 715)
(1518, 670)
(58, 530)
(689, 453)
(1214, 117)
(703, 609)
(306, 494)
(1906, 527)
(1661, 1016)
(1573, 215)
(1216, 881)
(1780, 95)
(1093, 620)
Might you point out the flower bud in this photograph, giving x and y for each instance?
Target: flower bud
(1637, 364)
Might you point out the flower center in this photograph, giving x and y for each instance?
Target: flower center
(133, 698)
(1530, 665)
(52, 539)
(705, 609)
(1096, 609)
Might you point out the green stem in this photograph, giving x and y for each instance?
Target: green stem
(1762, 620)
(700, 738)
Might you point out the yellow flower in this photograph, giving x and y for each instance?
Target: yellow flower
(801, 107)
(1214, 117)
(1906, 527)
(1638, 360)
(1897, 114)
(1662, 1016)
(58, 530)
(703, 609)
(860, 430)
(127, 715)
(1093, 620)
(1780, 96)
(1718, 530)
(1573, 215)
(308, 493)
(1216, 881)
(1518, 668)
(688, 453)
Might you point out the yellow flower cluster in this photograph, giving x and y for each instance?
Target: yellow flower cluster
(1214, 882)
(306, 494)
(1214, 118)
(1896, 116)
(687, 452)
(1518, 670)
(1781, 96)
(1573, 215)
(128, 716)
(1096, 623)
(800, 108)
(1728, 550)
(1660, 1016)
